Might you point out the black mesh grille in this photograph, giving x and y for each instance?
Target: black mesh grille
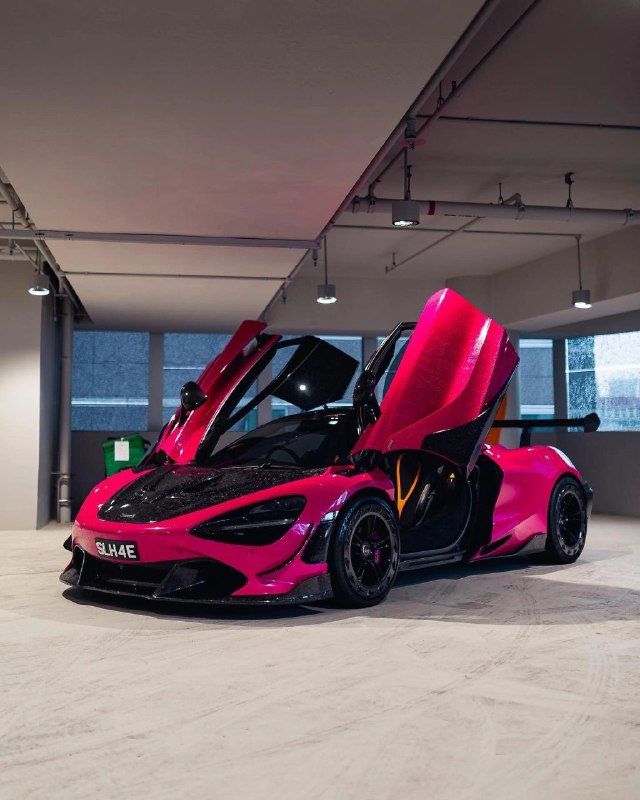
(198, 579)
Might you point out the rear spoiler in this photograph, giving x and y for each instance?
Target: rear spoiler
(588, 424)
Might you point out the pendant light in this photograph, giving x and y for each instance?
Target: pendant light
(580, 298)
(326, 290)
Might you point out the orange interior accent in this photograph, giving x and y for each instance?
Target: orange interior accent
(400, 499)
(494, 433)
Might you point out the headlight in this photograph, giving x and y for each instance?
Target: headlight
(262, 523)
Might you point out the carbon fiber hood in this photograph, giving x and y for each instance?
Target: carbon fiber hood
(174, 490)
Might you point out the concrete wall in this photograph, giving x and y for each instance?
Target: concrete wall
(26, 456)
(609, 462)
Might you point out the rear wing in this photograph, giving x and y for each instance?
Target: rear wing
(588, 424)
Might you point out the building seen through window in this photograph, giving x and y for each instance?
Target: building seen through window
(185, 356)
(110, 381)
(603, 375)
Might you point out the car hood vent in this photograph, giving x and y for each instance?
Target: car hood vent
(175, 490)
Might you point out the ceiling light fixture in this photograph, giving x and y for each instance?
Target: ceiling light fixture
(580, 298)
(39, 286)
(405, 213)
(326, 290)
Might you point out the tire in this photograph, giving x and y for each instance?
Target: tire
(365, 553)
(567, 522)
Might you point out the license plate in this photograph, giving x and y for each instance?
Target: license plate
(112, 548)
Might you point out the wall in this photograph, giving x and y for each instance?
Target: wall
(610, 464)
(87, 462)
(23, 487)
(373, 306)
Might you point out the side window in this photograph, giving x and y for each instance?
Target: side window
(385, 381)
(185, 356)
(352, 345)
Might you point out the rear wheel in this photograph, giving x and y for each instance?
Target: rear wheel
(567, 522)
(365, 553)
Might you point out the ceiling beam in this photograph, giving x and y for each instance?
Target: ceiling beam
(40, 234)
(544, 123)
(423, 229)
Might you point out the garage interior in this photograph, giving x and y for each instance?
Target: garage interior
(170, 170)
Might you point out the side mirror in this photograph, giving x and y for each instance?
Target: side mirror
(191, 396)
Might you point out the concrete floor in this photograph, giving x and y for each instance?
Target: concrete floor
(508, 680)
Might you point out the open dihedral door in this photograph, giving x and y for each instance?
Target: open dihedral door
(443, 391)
(448, 384)
(315, 374)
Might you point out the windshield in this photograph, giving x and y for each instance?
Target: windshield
(312, 440)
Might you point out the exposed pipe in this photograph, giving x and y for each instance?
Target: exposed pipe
(459, 87)
(19, 211)
(513, 199)
(181, 275)
(63, 493)
(423, 229)
(543, 123)
(39, 234)
(519, 211)
(398, 133)
(394, 265)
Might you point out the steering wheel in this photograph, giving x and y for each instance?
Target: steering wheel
(287, 450)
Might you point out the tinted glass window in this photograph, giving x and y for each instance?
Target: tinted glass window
(110, 381)
(185, 356)
(398, 351)
(603, 375)
(316, 439)
(352, 345)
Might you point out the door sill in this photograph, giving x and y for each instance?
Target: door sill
(421, 560)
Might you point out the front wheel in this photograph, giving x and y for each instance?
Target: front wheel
(365, 553)
(567, 522)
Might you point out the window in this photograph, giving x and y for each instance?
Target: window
(110, 381)
(398, 351)
(352, 345)
(185, 356)
(536, 379)
(603, 375)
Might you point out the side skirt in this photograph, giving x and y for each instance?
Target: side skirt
(422, 560)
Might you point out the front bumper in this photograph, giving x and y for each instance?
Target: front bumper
(193, 580)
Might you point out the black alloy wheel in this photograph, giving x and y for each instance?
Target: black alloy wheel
(567, 521)
(365, 553)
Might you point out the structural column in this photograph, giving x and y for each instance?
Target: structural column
(63, 494)
(155, 413)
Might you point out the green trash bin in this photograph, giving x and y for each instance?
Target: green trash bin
(122, 452)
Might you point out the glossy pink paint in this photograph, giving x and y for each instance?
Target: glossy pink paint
(271, 569)
(456, 363)
(185, 430)
(529, 475)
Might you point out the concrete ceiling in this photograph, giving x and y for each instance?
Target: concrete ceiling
(244, 118)
(566, 62)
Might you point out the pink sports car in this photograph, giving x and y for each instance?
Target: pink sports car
(334, 501)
